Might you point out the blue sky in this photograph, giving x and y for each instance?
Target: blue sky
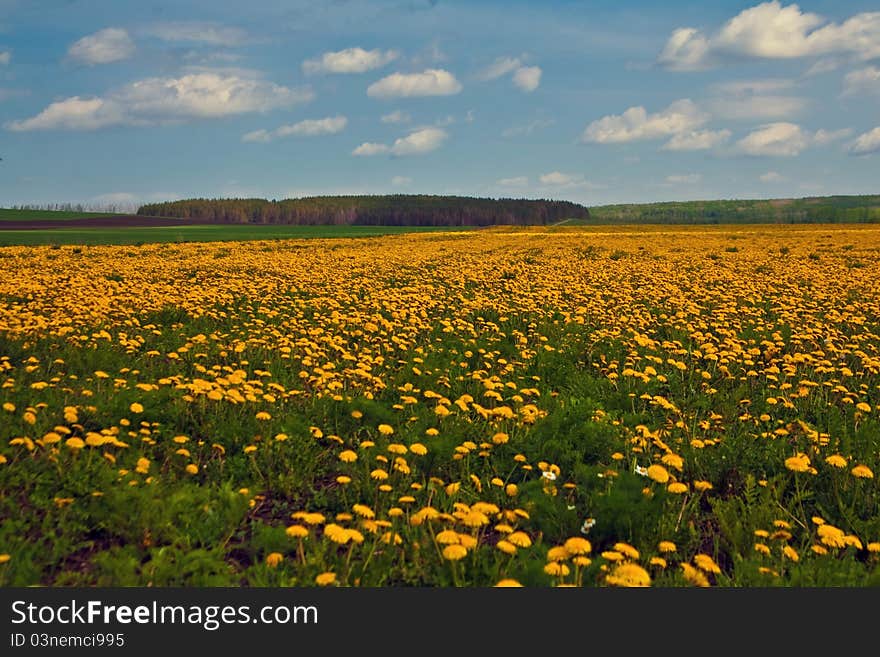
(596, 102)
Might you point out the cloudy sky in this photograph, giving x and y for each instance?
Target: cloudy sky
(596, 102)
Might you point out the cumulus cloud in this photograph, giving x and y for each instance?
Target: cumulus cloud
(527, 78)
(868, 142)
(697, 140)
(198, 32)
(430, 82)
(684, 179)
(369, 148)
(500, 67)
(5, 57)
(163, 100)
(307, 128)
(397, 116)
(417, 142)
(558, 179)
(862, 81)
(636, 124)
(103, 47)
(350, 60)
(783, 139)
(773, 31)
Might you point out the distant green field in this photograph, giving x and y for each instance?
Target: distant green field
(202, 233)
(53, 215)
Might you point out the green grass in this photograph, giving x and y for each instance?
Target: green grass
(204, 233)
(7, 214)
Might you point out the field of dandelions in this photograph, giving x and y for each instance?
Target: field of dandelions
(650, 407)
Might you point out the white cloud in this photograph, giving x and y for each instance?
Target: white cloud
(636, 124)
(430, 82)
(162, 100)
(868, 142)
(257, 136)
(500, 67)
(401, 181)
(198, 32)
(773, 31)
(350, 60)
(824, 66)
(771, 177)
(527, 129)
(417, 142)
(697, 140)
(307, 128)
(516, 181)
(527, 78)
(420, 141)
(314, 127)
(5, 58)
(862, 81)
(757, 107)
(117, 198)
(370, 148)
(397, 116)
(774, 140)
(822, 137)
(684, 179)
(103, 47)
(558, 179)
(686, 50)
(72, 114)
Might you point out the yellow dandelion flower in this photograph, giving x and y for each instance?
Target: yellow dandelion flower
(386, 429)
(454, 552)
(508, 583)
(519, 539)
(611, 555)
(873, 547)
(418, 449)
(336, 533)
(658, 561)
(818, 549)
(658, 473)
(706, 563)
(263, 415)
(702, 486)
(5, 558)
(453, 488)
(363, 511)
(75, 443)
(379, 474)
(506, 546)
(791, 553)
(325, 579)
(556, 569)
(762, 548)
(555, 553)
(192, 469)
(581, 561)
(250, 449)
(136, 408)
(577, 545)
(666, 546)
(629, 575)
(862, 472)
(863, 407)
(677, 488)
(836, 461)
(831, 536)
(273, 559)
(694, 576)
(296, 531)
(627, 550)
(511, 490)
(343, 480)
(447, 537)
(500, 438)
(798, 463)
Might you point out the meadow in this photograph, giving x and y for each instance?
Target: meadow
(664, 406)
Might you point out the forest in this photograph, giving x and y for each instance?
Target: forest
(387, 210)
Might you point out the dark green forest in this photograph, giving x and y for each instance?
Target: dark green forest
(823, 209)
(390, 210)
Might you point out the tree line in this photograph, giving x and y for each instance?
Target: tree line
(386, 210)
